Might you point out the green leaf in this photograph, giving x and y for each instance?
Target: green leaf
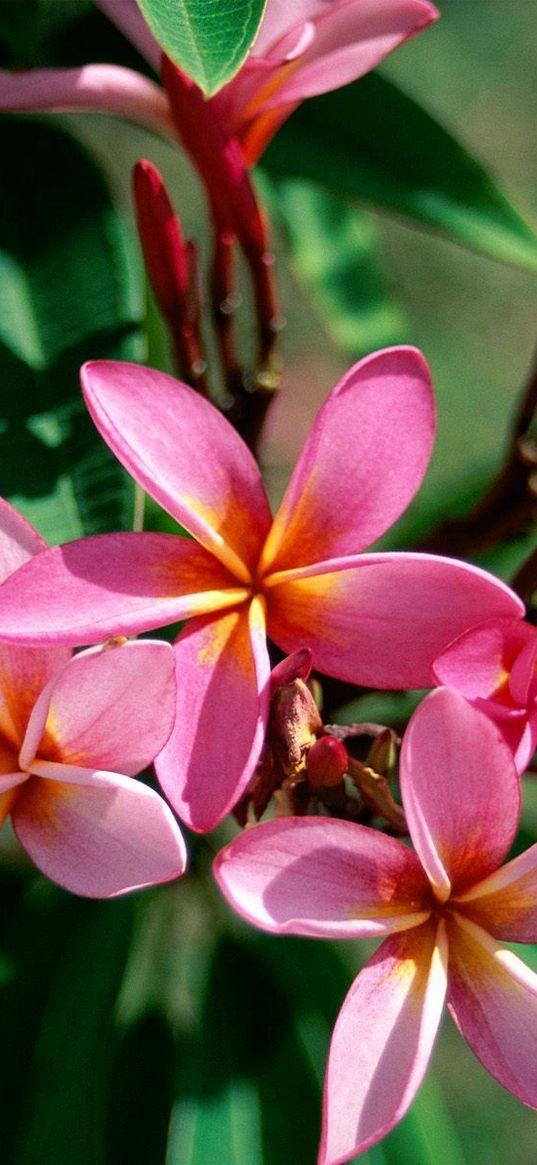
(67, 1102)
(141, 1094)
(250, 1072)
(335, 252)
(66, 296)
(427, 1134)
(371, 142)
(208, 39)
(27, 30)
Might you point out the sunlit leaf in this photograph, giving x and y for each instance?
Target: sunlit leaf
(371, 142)
(208, 39)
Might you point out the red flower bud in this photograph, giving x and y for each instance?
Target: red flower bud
(327, 762)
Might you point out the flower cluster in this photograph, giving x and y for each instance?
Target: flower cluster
(446, 908)
(382, 619)
(227, 731)
(74, 730)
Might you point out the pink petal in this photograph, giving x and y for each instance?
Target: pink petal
(351, 38)
(382, 1041)
(505, 903)
(293, 667)
(311, 47)
(363, 461)
(95, 88)
(494, 666)
(279, 19)
(520, 735)
(478, 663)
(325, 878)
(24, 672)
(185, 454)
(222, 707)
(522, 682)
(99, 839)
(109, 708)
(382, 619)
(126, 16)
(18, 540)
(460, 791)
(492, 997)
(112, 584)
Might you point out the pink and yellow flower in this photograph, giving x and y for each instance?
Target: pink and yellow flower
(494, 667)
(304, 48)
(74, 730)
(378, 619)
(446, 909)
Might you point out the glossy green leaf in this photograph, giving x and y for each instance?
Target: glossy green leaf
(335, 252)
(372, 142)
(208, 39)
(66, 296)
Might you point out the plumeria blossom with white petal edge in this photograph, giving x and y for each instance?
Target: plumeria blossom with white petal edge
(378, 619)
(304, 48)
(446, 908)
(495, 667)
(66, 722)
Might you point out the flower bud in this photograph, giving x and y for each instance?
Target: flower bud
(382, 754)
(295, 722)
(327, 762)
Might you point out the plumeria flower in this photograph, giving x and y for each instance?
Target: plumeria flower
(494, 666)
(308, 47)
(378, 619)
(304, 48)
(74, 730)
(446, 908)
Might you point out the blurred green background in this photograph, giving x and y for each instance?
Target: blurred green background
(160, 1030)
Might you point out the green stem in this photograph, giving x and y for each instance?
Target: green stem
(139, 508)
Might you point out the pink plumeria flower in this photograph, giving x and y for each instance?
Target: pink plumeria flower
(378, 619)
(304, 48)
(73, 732)
(307, 48)
(446, 909)
(494, 666)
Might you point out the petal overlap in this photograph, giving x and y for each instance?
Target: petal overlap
(382, 619)
(112, 584)
(504, 904)
(460, 791)
(223, 673)
(85, 716)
